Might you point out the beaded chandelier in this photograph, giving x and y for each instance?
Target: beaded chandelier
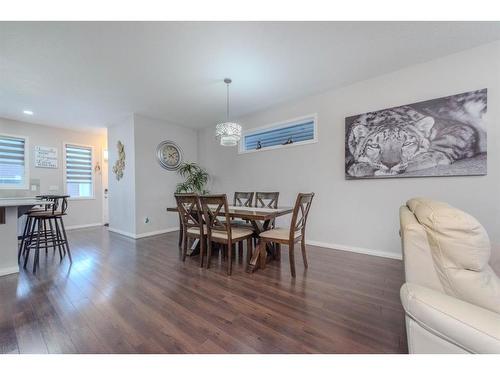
(229, 133)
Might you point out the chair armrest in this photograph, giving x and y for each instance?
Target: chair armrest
(470, 327)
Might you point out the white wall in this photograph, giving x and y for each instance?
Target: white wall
(80, 212)
(121, 197)
(146, 189)
(364, 213)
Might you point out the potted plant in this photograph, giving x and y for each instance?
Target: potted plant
(195, 177)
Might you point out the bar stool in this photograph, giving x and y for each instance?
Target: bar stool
(41, 237)
(45, 204)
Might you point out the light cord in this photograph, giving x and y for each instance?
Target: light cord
(227, 102)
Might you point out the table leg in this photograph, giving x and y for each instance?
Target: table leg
(253, 265)
(259, 257)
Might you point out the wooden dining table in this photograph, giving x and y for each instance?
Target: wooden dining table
(260, 218)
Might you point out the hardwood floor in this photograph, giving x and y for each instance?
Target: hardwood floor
(126, 296)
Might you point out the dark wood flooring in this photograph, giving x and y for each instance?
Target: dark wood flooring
(126, 296)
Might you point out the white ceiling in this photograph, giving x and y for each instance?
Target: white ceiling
(87, 74)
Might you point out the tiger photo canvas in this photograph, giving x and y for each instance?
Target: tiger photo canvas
(438, 137)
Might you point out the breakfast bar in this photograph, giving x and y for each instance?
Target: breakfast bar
(10, 210)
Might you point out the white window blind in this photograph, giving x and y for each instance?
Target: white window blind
(299, 131)
(79, 174)
(13, 168)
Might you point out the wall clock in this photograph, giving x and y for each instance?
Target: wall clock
(169, 155)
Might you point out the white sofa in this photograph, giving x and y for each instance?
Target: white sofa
(452, 292)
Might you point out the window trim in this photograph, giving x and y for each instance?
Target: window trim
(93, 197)
(27, 166)
(278, 125)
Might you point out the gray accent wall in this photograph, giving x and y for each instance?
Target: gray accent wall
(155, 186)
(363, 215)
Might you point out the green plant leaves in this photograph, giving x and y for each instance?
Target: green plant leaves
(196, 179)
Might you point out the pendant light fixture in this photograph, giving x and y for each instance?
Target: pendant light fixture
(229, 133)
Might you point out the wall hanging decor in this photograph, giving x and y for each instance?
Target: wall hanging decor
(45, 157)
(169, 155)
(438, 137)
(120, 163)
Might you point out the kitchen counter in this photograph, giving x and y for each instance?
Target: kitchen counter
(15, 202)
(10, 210)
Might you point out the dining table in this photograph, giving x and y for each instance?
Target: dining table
(260, 219)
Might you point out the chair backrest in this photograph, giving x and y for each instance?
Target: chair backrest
(190, 211)
(64, 203)
(54, 199)
(266, 199)
(243, 199)
(300, 212)
(212, 206)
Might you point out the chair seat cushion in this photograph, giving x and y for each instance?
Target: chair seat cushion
(196, 230)
(236, 233)
(45, 214)
(278, 234)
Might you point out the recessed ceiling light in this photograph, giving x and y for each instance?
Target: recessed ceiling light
(28, 112)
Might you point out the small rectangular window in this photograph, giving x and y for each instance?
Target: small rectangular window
(292, 132)
(13, 162)
(79, 173)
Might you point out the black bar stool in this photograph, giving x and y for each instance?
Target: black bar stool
(45, 228)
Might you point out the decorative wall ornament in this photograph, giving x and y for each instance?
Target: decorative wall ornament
(169, 155)
(45, 157)
(120, 163)
(438, 137)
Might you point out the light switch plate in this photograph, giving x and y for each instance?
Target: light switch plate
(33, 187)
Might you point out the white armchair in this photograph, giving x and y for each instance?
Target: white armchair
(452, 292)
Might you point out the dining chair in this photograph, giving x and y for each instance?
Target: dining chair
(243, 199)
(292, 235)
(191, 216)
(266, 199)
(221, 231)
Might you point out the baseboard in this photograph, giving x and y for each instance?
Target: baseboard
(122, 232)
(156, 232)
(71, 227)
(360, 250)
(9, 270)
(143, 235)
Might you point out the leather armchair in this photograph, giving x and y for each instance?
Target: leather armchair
(452, 292)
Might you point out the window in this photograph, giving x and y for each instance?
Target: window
(292, 132)
(13, 162)
(79, 174)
